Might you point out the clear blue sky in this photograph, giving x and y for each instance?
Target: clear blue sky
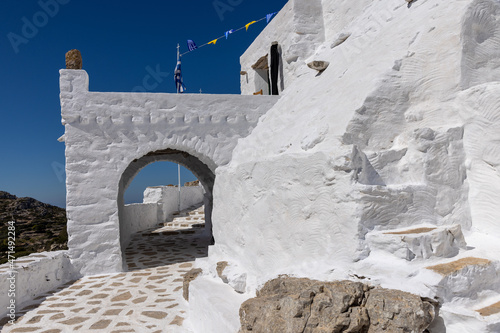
(118, 41)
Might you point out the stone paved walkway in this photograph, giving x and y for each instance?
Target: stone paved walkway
(147, 298)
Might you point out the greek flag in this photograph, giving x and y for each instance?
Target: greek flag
(227, 33)
(178, 78)
(191, 45)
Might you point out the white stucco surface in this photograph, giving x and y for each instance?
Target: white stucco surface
(110, 137)
(35, 274)
(299, 29)
(159, 204)
(399, 133)
(138, 217)
(168, 199)
(214, 306)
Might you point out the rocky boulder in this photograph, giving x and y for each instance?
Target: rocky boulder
(299, 305)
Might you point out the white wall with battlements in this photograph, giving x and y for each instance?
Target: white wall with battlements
(108, 137)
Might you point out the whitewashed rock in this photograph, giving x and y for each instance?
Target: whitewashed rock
(419, 242)
(420, 116)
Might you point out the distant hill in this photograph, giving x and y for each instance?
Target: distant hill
(39, 226)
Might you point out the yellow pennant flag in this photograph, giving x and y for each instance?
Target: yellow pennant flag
(249, 24)
(213, 42)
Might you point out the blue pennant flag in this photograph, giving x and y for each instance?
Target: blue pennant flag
(191, 45)
(269, 16)
(228, 33)
(178, 78)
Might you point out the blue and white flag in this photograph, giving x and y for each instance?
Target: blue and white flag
(270, 16)
(178, 78)
(228, 33)
(191, 45)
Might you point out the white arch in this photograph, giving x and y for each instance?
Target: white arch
(108, 137)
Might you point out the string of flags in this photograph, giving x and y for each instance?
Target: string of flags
(192, 45)
(180, 87)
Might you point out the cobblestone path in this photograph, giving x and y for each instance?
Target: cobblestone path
(147, 298)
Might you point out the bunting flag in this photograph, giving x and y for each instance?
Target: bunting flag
(270, 16)
(228, 33)
(191, 45)
(249, 24)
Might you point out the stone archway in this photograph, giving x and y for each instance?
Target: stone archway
(198, 168)
(109, 137)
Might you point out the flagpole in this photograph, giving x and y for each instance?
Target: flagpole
(178, 165)
(179, 178)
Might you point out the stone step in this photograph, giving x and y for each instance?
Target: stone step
(465, 278)
(490, 310)
(418, 242)
(460, 318)
(455, 266)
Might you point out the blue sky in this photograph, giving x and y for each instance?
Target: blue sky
(118, 40)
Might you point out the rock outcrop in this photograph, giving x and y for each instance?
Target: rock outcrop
(39, 226)
(300, 305)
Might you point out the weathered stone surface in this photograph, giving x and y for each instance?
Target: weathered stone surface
(318, 65)
(73, 59)
(221, 265)
(397, 311)
(188, 277)
(299, 305)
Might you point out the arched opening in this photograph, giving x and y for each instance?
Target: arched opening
(157, 174)
(133, 223)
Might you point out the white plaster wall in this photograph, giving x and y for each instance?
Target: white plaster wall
(376, 142)
(214, 306)
(168, 199)
(298, 28)
(138, 217)
(191, 196)
(159, 204)
(35, 274)
(400, 131)
(480, 108)
(106, 132)
(338, 16)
